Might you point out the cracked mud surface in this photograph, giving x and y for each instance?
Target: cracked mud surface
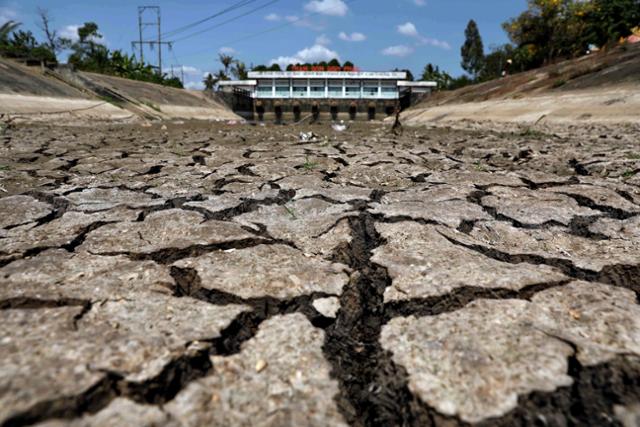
(231, 275)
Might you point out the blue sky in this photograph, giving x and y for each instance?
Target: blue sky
(376, 35)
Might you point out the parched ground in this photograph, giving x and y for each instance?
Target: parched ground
(232, 276)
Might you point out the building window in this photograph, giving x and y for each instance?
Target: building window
(370, 89)
(299, 89)
(317, 88)
(282, 88)
(389, 90)
(335, 90)
(265, 91)
(352, 90)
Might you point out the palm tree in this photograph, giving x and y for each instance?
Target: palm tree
(209, 82)
(221, 75)
(239, 70)
(226, 61)
(6, 28)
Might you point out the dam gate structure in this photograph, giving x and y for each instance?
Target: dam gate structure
(334, 95)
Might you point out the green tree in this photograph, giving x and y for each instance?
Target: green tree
(221, 76)
(410, 76)
(239, 70)
(460, 82)
(274, 67)
(23, 45)
(609, 20)
(88, 53)
(472, 50)
(548, 29)
(209, 82)
(432, 73)
(6, 29)
(226, 61)
(334, 63)
(89, 31)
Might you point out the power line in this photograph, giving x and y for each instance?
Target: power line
(268, 30)
(231, 8)
(284, 25)
(235, 18)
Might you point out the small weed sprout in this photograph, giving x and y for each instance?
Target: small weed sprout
(291, 212)
(152, 106)
(309, 165)
(532, 133)
(480, 167)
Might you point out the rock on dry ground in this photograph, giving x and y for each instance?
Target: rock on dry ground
(210, 274)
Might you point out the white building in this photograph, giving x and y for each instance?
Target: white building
(358, 85)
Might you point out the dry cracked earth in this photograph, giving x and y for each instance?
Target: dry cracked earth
(233, 276)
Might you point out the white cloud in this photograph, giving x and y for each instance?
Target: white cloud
(315, 53)
(435, 42)
(323, 40)
(195, 85)
(327, 7)
(186, 69)
(7, 14)
(191, 70)
(400, 51)
(353, 37)
(303, 22)
(420, 2)
(70, 32)
(273, 17)
(227, 50)
(409, 29)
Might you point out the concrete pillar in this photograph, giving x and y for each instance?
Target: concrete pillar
(273, 88)
(344, 89)
(308, 88)
(379, 89)
(290, 88)
(326, 88)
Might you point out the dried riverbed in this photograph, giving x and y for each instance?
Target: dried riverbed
(210, 274)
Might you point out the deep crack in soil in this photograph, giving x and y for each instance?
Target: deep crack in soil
(373, 389)
(624, 276)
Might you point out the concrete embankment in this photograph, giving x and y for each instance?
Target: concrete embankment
(586, 106)
(65, 96)
(601, 88)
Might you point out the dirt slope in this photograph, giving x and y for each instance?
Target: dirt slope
(603, 87)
